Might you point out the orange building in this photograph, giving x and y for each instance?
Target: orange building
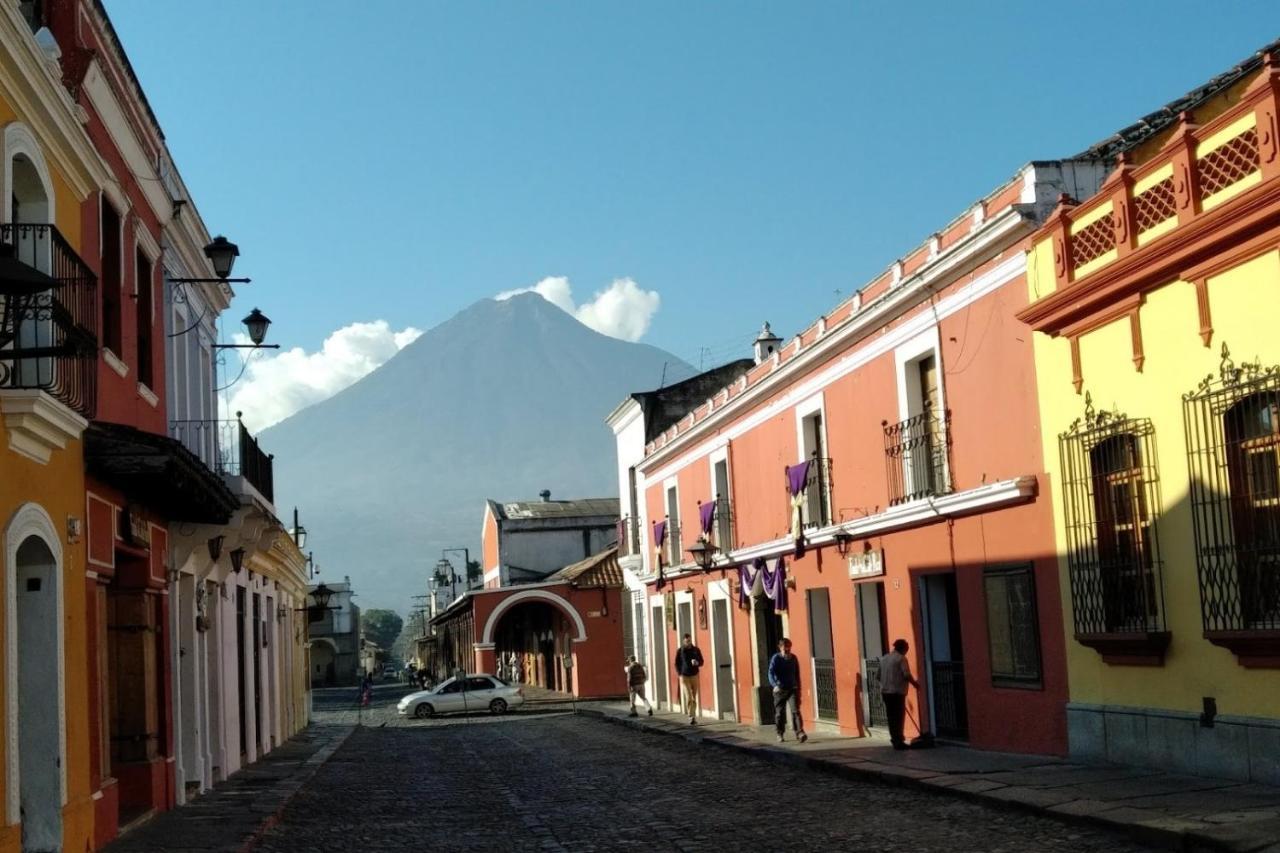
(889, 458)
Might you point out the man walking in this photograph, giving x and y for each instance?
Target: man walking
(895, 675)
(688, 664)
(784, 676)
(636, 677)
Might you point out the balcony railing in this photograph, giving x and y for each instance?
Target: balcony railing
(818, 489)
(49, 339)
(916, 457)
(724, 525)
(629, 537)
(227, 447)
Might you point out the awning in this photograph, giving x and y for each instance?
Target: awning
(598, 570)
(158, 472)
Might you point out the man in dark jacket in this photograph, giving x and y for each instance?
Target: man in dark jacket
(688, 664)
(784, 676)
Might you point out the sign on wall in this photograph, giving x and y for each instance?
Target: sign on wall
(868, 564)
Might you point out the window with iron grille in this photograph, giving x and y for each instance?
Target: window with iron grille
(1013, 626)
(1232, 426)
(1111, 499)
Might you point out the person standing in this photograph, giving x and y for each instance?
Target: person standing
(636, 678)
(688, 665)
(895, 675)
(784, 677)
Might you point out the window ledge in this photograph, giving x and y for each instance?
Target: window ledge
(1253, 649)
(147, 394)
(113, 361)
(1139, 648)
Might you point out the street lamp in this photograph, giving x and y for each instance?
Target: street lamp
(237, 560)
(299, 533)
(256, 324)
(704, 553)
(322, 594)
(843, 540)
(222, 253)
(466, 559)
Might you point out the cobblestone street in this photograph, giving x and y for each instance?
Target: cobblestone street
(543, 779)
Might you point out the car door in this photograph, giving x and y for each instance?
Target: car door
(478, 693)
(448, 696)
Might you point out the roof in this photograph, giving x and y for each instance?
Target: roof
(580, 508)
(598, 570)
(1128, 138)
(665, 406)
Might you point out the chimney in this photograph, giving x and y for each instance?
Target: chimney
(545, 494)
(766, 344)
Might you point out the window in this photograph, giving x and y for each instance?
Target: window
(1110, 489)
(813, 446)
(452, 687)
(1013, 628)
(1233, 454)
(111, 308)
(143, 274)
(475, 684)
(675, 554)
(724, 511)
(916, 448)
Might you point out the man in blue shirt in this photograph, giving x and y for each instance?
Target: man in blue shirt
(784, 676)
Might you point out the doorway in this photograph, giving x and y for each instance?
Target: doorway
(873, 639)
(39, 658)
(824, 653)
(721, 648)
(944, 656)
(768, 633)
(659, 655)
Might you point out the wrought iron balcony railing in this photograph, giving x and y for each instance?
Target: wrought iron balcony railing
(628, 537)
(49, 339)
(227, 447)
(916, 452)
(724, 525)
(818, 489)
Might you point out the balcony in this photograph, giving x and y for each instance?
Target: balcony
(724, 525)
(629, 537)
(916, 453)
(49, 338)
(817, 511)
(227, 447)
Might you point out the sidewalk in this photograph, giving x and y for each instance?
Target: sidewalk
(235, 813)
(1169, 810)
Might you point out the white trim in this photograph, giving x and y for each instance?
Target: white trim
(18, 139)
(926, 343)
(493, 574)
(131, 148)
(37, 423)
(658, 600)
(114, 362)
(29, 520)
(142, 239)
(992, 280)
(533, 595)
(148, 395)
(884, 309)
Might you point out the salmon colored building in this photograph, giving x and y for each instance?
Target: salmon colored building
(888, 457)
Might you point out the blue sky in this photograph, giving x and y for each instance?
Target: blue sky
(399, 160)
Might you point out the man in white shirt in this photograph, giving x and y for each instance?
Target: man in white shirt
(895, 675)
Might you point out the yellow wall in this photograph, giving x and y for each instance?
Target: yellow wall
(58, 487)
(1176, 361)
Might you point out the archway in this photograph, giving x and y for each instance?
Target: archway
(39, 741)
(531, 640)
(29, 204)
(324, 655)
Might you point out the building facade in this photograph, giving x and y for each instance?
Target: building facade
(336, 640)
(525, 541)
(866, 481)
(1159, 378)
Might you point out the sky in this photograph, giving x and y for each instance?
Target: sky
(671, 172)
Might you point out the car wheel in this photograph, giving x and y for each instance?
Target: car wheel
(424, 710)
(498, 706)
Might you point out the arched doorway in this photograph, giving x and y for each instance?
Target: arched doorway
(39, 708)
(323, 663)
(531, 640)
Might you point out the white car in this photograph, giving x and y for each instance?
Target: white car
(471, 693)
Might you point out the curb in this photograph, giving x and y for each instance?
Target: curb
(1151, 828)
(293, 784)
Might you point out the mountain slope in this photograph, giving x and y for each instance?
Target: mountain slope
(503, 400)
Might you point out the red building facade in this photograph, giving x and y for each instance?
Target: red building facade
(889, 457)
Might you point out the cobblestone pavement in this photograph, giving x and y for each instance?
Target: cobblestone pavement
(547, 780)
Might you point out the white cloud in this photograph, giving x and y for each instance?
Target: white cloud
(274, 387)
(621, 310)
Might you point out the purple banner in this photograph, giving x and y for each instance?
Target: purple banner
(775, 585)
(707, 514)
(798, 476)
(747, 580)
(659, 533)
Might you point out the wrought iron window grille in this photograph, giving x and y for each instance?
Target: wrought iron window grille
(723, 528)
(1232, 423)
(917, 454)
(1111, 504)
(817, 509)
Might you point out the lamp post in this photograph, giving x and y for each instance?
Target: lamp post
(299, 533)
(466, 559)
(445, 574)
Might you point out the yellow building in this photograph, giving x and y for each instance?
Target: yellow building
(1155, 304)
(48, 358)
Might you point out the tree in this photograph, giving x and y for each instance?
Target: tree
(381, 627)
(473, 572)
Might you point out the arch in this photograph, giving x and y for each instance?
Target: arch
(323, 641)
(33, 555)
(559, 602)
(20, 143)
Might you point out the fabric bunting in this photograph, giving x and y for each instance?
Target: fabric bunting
(707, 515)
(797, 480)
(659, 539)
(774, 582)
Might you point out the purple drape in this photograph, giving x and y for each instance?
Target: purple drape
(659, 533)
(775, 582)
(707, 514)
(798, 476)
